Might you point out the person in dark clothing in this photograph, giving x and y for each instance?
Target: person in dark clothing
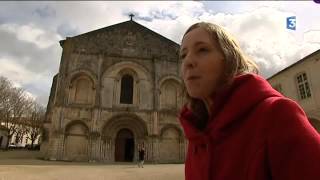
(141, 157)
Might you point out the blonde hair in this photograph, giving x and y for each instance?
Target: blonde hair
(236, 63)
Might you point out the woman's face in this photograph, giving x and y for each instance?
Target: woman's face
(202, 63)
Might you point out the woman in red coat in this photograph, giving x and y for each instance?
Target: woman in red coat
(238, 127)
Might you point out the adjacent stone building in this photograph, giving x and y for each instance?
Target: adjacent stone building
(117, 88)
(301, 82)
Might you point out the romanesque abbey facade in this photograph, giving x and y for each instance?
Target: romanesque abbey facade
(117, 88)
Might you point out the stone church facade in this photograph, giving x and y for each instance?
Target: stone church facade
(117, 88)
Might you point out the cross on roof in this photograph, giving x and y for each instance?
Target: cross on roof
(131, 15)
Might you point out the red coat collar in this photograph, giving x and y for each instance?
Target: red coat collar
(231, 104)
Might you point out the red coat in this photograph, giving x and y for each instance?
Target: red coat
(255, 134)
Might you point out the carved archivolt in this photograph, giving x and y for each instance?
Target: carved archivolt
(111, 84)
(171, 130)
(87, 73)
(76, 127)
(114, 70)
(128, 121)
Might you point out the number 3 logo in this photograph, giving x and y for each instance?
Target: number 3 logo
(291, 23)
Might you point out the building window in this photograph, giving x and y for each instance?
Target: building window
(126, 95)
(303, 86)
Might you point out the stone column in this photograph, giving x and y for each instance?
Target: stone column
(155, 129)
(60, 147)
(99, 83)
(95, 117)
(112, 150)
(108, 151)
(149, 149)
(155, 149)
(155, 84)
(94, 143)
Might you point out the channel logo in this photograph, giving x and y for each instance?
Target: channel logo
(291, 23)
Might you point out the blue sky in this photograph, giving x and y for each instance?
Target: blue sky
(30, 31)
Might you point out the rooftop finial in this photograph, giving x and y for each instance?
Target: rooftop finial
(131, 16)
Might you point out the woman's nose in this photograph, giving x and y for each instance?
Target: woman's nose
(190, 60)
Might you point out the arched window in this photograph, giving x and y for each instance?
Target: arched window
(126, 95)
(82, 90)
(169, 95)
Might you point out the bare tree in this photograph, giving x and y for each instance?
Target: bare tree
(13, 105)
(5, 87)
(20, 130)
(35, 122)
(5, 106)
(19, 103)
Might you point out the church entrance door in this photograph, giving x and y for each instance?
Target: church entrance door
(124, 147)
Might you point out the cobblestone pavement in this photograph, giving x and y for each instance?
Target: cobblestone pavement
(26, 166)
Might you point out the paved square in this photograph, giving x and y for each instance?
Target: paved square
(25, 165)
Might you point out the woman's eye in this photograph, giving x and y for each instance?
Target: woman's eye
(203, 50)
(182, 56)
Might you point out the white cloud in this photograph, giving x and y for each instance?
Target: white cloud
(24, 78)
(312, 36)
(31, 53)
(101, 14)
(15, 71)
(30, 33)
(261, 32)
(263, 36)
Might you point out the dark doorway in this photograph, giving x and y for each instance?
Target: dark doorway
(124, 149)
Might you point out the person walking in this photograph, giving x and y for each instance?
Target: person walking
(141, 157)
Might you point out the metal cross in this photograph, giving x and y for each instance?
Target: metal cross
(131, 15)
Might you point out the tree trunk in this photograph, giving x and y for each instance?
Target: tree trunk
(9, 139)
(32, 142)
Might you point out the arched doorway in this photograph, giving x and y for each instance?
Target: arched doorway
(124, 147)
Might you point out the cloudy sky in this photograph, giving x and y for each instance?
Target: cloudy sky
(30, 31)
